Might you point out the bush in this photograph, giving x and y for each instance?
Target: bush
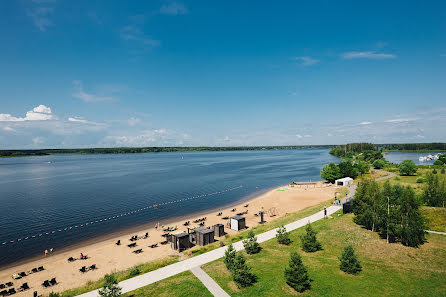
(397, 178)
(229, 257)
(251, 245)
(438, 163)
(442, 171)
(309, 241)
(134, 271)
(378, 164)
(407, 167)
(434, 171)
(296, 274)
(110, 288)
(52, 294)
(349, 262)
(241, 272)
(282, 236)
(420, 180)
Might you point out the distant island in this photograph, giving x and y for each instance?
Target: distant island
(139, 150)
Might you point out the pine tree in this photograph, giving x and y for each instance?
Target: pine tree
(229, 257)
(309, 241)
(349, 261)
(282, 236)
(251, 245)
(412, 222)
(110, 288)
(296, 274)
(241, 272)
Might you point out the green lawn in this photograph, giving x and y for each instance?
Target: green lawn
(181, 285)
(388, 269)
(436, 218)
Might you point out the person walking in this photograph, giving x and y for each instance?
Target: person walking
(325, 212)
(46, 253)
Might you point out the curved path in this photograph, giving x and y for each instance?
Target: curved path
(176, 268)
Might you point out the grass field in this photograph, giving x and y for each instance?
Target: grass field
(436, 217)
(388, 269)
(182, 285)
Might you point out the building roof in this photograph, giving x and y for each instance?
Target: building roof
(181, 235)
(345, 179)
(203, 230)
(238, 218)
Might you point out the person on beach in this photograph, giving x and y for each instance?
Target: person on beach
(325, 212)
(82, 256)
(46, 253)
(51, 250)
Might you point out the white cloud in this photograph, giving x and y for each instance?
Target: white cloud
(8, 129)
(38, 140)
(83, 121)
(39, 113)
(402, 120)
(173, 8)
(133, 121)
(88, 97)
(300, 136)
(148, 138)
(133, 33)
(40, 13)
(419, 136)
(365, 123)
(367, 55)
(306, 60)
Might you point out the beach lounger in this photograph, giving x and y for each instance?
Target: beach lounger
(164, 242)
(83, 269)
(246, 205)
(4, 293)
(40, 268)
(46, 284)
(165, 235)
(53, 281)
(92, 267)
(24, 287)
(118, 242)
(2, 286)
(137, 251)
(225, 218)
(9, 284)
(131, 245)
(154, 245)
(11, 291)
(71, 259)
(34, 270)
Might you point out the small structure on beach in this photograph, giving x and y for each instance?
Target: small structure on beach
(180, 242)
(202, 236)
(238, 223)
(346, 181)
(219, 230)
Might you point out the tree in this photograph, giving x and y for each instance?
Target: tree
(251, 245)
(229, 257)
(349, 261)
(348, 170)
(362, 167)
(241, 272)
(387, 223)
(310, 243)
(412, 222)
(438, 163)
(282, 236)
(110, 288)
(330, 172)
(407, 167)
(434, 190)
(442, 158)
(434, 171)
(296, 274)
(366, 203)
(443, 171)
(379, 164)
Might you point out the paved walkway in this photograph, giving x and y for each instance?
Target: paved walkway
(210, 284)
(176, 268)
(435, 232)
(173, 269)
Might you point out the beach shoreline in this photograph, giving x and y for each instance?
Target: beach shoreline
(103, 252)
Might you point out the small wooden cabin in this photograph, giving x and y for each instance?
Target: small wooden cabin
(180, 242)
(203, 236)
(238, 223)
(219, 230)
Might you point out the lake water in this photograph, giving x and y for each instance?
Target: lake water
(40, 195)
(398, 157)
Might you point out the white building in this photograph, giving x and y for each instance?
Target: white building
(346, 181)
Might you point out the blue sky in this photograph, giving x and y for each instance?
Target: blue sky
(225, 73)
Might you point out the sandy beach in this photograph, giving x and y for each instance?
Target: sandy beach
(109, 257)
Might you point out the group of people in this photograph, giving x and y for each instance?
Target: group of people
(50, 252)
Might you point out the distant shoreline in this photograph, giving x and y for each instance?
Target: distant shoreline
(140, 150)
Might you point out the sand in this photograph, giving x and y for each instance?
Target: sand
(109, 257)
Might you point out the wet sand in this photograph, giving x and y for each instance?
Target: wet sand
(109, 257)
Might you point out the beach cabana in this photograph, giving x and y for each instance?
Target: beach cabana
(203, 236)
(219, 230)
(346, 181)
(238, 223)
(180, 242)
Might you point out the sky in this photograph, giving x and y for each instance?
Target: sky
(220, 73)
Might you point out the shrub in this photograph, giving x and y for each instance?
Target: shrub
(251, 245)
(397, 178)
(229, 257)
(134, 271)
(282, 236)
(241, 272)
(438, 163)
(407, 167)
(110, 288)
(309, 240)
(349, 262)
(434, 171)
(442, 171)
(296, 274)
(378, 164)
(52, 294)
(420, 180)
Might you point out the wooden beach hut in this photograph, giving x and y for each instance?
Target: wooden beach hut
(219, 230)
(180, 242)
(203, 236)
(238, 223)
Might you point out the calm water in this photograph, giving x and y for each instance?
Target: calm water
(397, 157)
(45, 194)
